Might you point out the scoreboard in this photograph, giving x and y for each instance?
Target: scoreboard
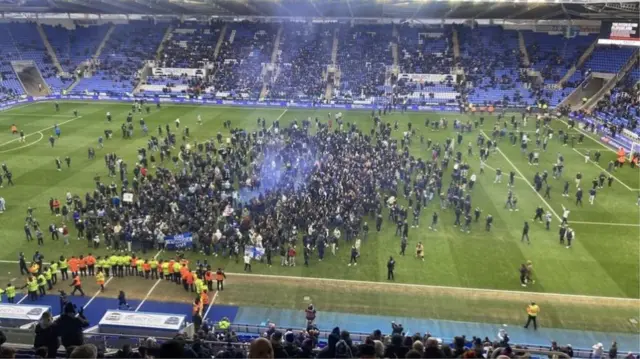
(619, 33)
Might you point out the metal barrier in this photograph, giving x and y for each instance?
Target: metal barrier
(107, 343)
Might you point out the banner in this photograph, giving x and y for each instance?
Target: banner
(204, 101)
(127, 197)
(178, 241)
(254, 252)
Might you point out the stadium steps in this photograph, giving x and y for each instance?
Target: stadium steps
(593, 100)
(334, 48)
(585, 56)
(274, 58)
(223, 31)
(98, 52)
(394, 46)
(50, 50)
(334, 59)
(165, 38)
(456, 43)
(30, 77)
(587, 89)
(523, 49)
(95, 56)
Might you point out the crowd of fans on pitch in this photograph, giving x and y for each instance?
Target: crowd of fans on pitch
(265, 187)
(63, 338)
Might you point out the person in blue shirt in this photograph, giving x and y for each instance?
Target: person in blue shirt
(122, 301)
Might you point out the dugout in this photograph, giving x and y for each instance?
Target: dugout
(142, 324)
(21, 316)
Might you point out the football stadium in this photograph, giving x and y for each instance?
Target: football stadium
(319, 179)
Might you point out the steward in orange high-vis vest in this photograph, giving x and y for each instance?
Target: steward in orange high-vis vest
(77, 285)
(208, 278)
(220, 277)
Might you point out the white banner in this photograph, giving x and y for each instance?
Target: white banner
(421, 78)
(143, 320)
(176, 71)
(23, 312)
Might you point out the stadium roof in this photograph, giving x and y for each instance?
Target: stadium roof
(401, 9)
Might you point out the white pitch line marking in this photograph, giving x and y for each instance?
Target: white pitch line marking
(424, 286)
(25, 146)
(97, 294)
(213, 300)
(597, 165)
(607, 224)
(34, 115)
(524, 178)
(42, 130)
(22, 299)
(148, 294)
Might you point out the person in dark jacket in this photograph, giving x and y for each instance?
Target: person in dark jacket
(396, 349)
(432, 350)
(69, 327)
(306, 350)
(290, 346)
(276, 343)
(330, 350)
(46, 335)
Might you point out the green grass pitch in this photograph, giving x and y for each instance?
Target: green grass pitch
(603, 261)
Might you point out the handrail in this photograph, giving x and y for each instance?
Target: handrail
(551, 353)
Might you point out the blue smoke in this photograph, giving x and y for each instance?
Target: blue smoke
(283, 167)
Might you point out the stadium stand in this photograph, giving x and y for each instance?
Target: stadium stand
(621, 106)
(122, 56)
(553, 55)
(357, 42)
(213, 342)
(246, 48)
(305, 52)
(73, 46)
(491, 59)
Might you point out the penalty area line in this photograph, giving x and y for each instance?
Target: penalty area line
(606, 224)
(24, 146)
(40, 131)
(602, 169)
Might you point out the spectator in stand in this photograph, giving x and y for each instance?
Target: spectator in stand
(432, 350)
(69, 327)
(276, 344)
(261, 349)
(46, 335)
(396, 349)
(85, 351)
